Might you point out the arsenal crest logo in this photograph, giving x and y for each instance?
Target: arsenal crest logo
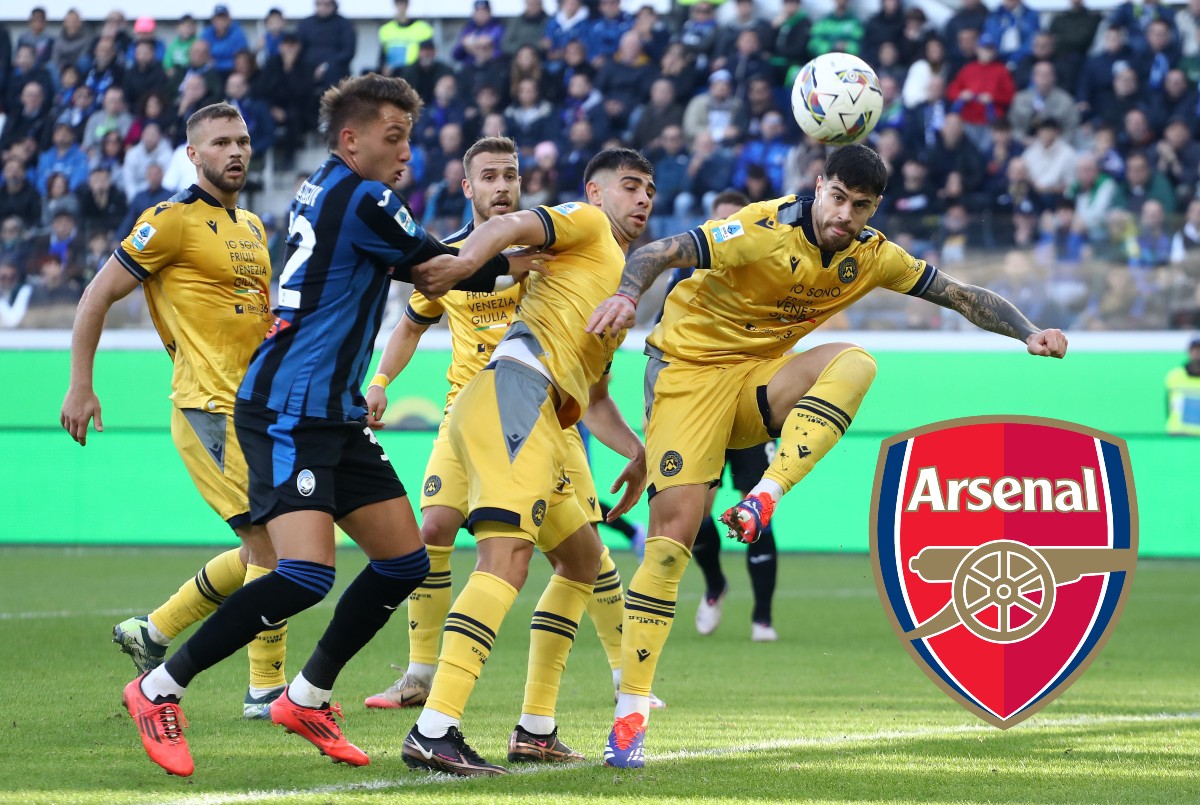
(1004, 549)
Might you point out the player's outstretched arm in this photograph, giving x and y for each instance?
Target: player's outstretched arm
(401, 345)
(81, 404)
(619, 311)
(440, 274)
(990, 311)
(604, 420)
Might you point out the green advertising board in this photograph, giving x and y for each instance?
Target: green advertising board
(128, 486)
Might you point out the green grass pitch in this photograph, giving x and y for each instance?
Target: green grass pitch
(834, 712)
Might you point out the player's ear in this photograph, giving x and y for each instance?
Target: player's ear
(193, 157)
(468, 194)
(593, 193)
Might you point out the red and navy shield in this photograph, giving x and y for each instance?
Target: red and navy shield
(1004, 548)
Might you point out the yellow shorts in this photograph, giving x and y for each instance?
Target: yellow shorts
(505, 434)
(208, 444)
(446, 482)
(696, 411)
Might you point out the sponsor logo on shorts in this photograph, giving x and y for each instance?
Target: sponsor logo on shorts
(848, 270)
(142, 235)
(433, 485)
(539, 512)
(671, 463)
(306, 483)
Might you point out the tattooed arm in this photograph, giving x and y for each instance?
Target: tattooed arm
(619, 311)
(990, 311)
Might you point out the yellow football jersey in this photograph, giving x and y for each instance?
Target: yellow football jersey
(770, 284)
(586, 270)
(206, 274)
(478, 321)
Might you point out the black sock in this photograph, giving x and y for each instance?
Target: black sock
(270, 600)
(763, 564)
(620, 524)
(707, 553)
(364, 608)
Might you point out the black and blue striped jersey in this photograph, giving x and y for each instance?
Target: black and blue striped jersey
(347, 238)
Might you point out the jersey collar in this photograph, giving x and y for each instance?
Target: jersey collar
(210, 199)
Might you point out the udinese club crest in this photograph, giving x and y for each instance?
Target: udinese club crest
(1004, 550)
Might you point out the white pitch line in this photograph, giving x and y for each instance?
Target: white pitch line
(418, 780)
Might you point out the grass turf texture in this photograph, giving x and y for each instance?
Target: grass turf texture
(835, 711)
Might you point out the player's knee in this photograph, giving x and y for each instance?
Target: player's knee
(857, 365)
(439, 528)
(301, 585)
(404, 569)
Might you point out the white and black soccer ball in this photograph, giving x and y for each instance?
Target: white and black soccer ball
(836, 99)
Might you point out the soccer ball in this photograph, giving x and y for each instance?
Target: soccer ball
(836, 99)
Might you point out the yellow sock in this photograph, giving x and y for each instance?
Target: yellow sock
(471, 628)
(821, 416)
(428, 606)
(268, 649)
(200, 596)
(551, 635)
(650, 611)
(606, 608)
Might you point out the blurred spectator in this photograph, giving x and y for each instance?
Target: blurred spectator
(792, 27)
(839, 30)
(145, 75)
(526, 29)
(246, 65)
(1019, 282)
(151, 109)
(24, 70)
(65, 157)
(1003, 149)
(480, 38)
(574, 60)
(932, 63)
(181, 173)
(747, 63)
(1185, 245)
(914, 204)
(1177, 101)
(538, 189)
(1095, 87)
(970, 16)
(487, 102)
(1160, 54)
(757, 185)
(35, 36)
(956, 166)
(58, 200)
(1051, 161)
(717, 111)
(110, 154)
(1073, 30)
(153, 194)
(1020, 202)
(14, 245)
(1153, 240)
(1044, 99)
(699, 34)
(1177, 156)
(1094, 194)
(151, 149)
(426, 71)
(444, 109)
(1104, 148)
(446, 207)
(1012, 26)
(30, 120)
(61, 239)
(329, 42)
(69, 79)
(530, 118)
(14, 293)
(583, 102)
(488, 68)
(106, 70)
(267, 45)
(178, 52)
(1125, 97)
(448, 148)
(55, 294)
(255, 111)
(287, 87)
(1187, 27)
(101, 206)
(886, 25)
(911, 43)
(625, 80)
(983, 89)
(893, 115)
(144, 30)
(569, 24)
(111, 116)
(1137, 18)
(76, 114)
(670, 168)
(18, 197)
(5, 59)
(114, 30)
(651, 119)
(888, 64)
(225, 37)
(710, 171)
(400, 40)
(1043, 50)
(652, 31)
(580, 147)
(746, 18)
(527, 63)
(926, 119)
(199, 66)
(606, 30)
(71, 43)
(768, 152)
(760, 100)
(676, 68)
(1143, 183)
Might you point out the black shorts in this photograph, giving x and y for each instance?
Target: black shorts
(747, 466)
(307, 463)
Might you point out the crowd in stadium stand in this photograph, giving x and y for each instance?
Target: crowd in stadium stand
(1053, 156)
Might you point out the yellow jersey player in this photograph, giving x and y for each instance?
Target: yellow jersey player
(722, 373)
(507, 430)
(202, 262)
(477, 321)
